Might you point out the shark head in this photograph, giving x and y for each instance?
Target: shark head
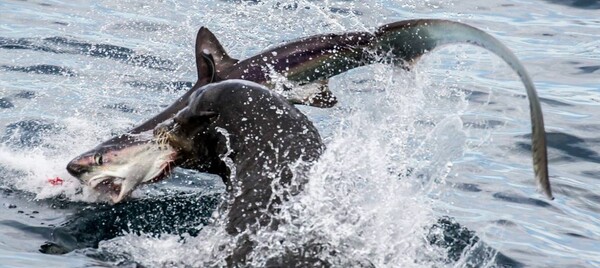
(117, 167)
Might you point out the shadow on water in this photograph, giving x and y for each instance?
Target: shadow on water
(185, 214)
(40, 69)
(462, 244)
(25, 95)
(28, 133)
(514, 198)
(7, 102)
(483, 98)
(573, 147)
(294, 5)
(178, 214)
(589, 69)
(585, 4)
(169, 86)
(62, 45)
(121, 107)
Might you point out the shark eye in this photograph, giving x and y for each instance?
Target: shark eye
(98, 159)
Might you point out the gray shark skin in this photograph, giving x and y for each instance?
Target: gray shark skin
(313, 60)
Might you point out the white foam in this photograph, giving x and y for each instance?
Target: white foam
(369, 196)
(35, 167)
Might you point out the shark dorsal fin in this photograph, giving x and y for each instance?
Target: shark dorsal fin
(207, 43)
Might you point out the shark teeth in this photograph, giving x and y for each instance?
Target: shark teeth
(108, 185)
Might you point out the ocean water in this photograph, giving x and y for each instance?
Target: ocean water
(423, 168)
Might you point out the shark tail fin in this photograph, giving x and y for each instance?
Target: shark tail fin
(408, 40)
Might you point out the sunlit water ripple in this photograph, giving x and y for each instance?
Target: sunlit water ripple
(446, 142)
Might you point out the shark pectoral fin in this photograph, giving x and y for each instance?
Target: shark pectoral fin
(315, 94)
(322, 99)
(207, 43)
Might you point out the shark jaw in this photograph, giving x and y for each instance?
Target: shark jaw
(123, 169)
(119, 185)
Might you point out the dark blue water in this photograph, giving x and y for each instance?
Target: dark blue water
(423, 168)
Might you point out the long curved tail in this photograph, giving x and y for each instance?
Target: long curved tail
(408, 40)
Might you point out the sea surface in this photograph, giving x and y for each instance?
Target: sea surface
(424, 168)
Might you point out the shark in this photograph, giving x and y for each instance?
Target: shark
(117, 166)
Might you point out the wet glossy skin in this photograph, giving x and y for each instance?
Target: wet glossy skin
(319, 57)
(259, 143)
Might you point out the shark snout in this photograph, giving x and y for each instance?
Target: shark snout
(80, 165)
(76, 169)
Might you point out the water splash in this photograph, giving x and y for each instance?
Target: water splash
(32, 166)
(247, 28)
(370, 196)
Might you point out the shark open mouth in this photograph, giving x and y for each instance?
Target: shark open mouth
(119, 188)
(110, 185)
(164, 171)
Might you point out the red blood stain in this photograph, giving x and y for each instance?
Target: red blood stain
(56, 181)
